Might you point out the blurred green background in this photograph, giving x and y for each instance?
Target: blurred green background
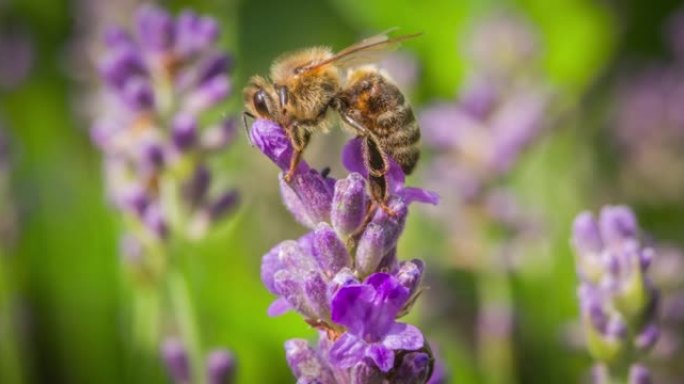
(63, 272)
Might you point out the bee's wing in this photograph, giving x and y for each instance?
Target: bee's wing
(366, 51)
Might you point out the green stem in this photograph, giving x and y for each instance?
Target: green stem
(146, 335)
(494, 325)
(10, 361)
(181, 301)
(495, 297)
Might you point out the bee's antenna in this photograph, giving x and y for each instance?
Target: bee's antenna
(245, 115)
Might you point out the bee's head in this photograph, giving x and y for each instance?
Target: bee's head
(260, 99)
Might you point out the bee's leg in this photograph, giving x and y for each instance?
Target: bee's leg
(376, 161)
(378, 166)
(299, 137)
(245, 115)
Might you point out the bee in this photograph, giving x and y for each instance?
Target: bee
(308, 87)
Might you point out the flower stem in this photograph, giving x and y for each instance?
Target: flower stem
(146, 323)
(181, 302)
(10, 362)
(495, 315)
(494, 326)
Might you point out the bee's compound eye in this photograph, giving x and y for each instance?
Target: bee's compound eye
(259, 101)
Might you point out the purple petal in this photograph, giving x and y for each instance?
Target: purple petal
(443, 125)
(585, 233)
(278, 307)
(351, 307)
(155, 28)
(347, 351)
(412, 194)
(270, 264)
(404, 336)
(617, 223)
(382, 356)
(184, 131)
(390, 297)
(352, 157)
(270, 139)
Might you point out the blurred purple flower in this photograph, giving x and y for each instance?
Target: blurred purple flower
(158, 82)
(220, 367)
(618, 301)
(16, 56)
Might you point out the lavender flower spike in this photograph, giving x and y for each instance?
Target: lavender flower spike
(319, 274)
(617, 300)
(176, 359)
(150, 129)
(220, 367)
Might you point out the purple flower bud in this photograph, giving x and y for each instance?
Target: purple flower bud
(585, 234)
(194, 34)
(647, 337)
(366, 372)
(316, 291)
(176, 360)
(617, 224)
(184, 132)
(330, 252)
(308, 196)
(137, 94)
(220, 367)
(439, 122)
(154, 221)
(195, 190)
(410, 274)
(415, 368)
(616, 329)
(306, 363)
(270, 139)
(133, 198)
(155, 28)
(208, 94)
(341, 279)
(213, 66)
(219, 136)
(290, 286)
(349, 204)
(223, 205)
(152, 155)
(639, 374)
(370, 249)
(117, 36)
(393, 225)
(120, 64)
